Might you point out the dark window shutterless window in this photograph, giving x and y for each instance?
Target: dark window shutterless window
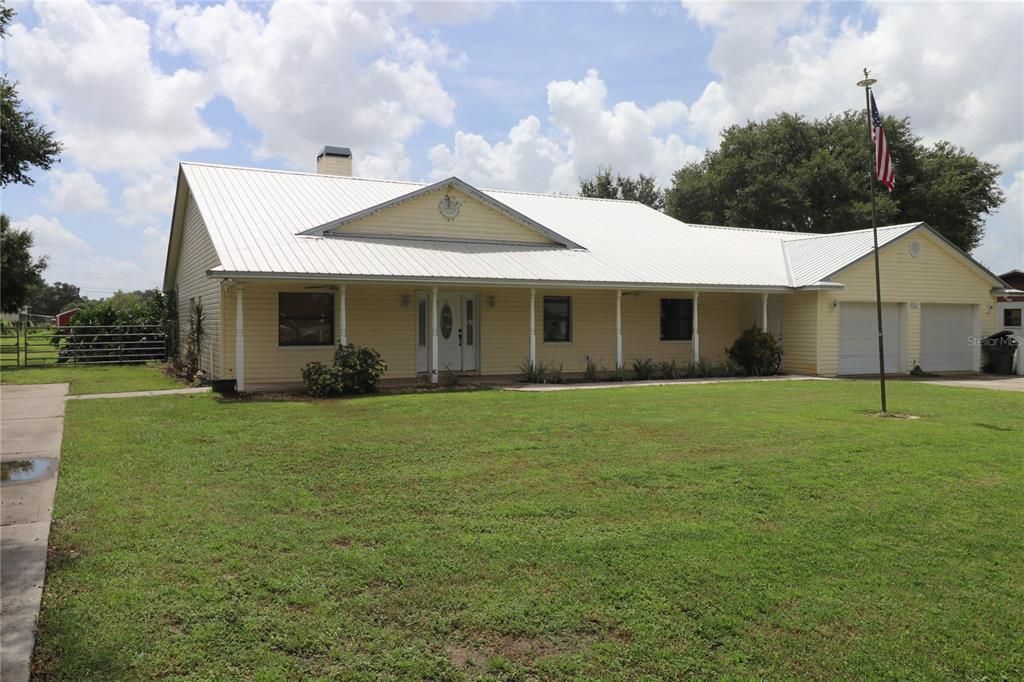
(305, 319)
(557, 318)
(421, 322)
(1012, 317)
(676, 319)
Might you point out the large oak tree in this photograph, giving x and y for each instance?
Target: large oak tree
(604, 185)
(792, 173)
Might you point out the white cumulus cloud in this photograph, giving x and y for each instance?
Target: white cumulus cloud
(586, 133)
(76, 191)
(315, 73)
(72, 259)
(950, 67)
(88, 70)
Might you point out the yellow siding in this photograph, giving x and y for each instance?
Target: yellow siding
(376, 317)
(195, 257)
(800, 325)
(593, 330)
(419, 217)
(936, 275)
(504, 330)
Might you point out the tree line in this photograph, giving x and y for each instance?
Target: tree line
(796, 174)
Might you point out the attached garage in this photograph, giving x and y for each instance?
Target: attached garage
(946, 332)
(858, 337)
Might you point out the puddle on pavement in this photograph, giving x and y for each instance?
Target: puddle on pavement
(25, 470)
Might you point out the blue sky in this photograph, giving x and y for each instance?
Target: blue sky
(521, 95)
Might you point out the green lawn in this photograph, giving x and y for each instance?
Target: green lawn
(736, 530)
(93, 378)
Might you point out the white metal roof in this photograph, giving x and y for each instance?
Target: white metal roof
(813, 258)
(254, 218)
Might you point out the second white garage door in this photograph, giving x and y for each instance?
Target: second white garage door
(858, 338)
(945, 337)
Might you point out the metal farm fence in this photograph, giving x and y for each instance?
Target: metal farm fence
(10, 349)
(26, 345)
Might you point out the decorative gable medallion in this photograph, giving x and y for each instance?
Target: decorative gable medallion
(449, 207)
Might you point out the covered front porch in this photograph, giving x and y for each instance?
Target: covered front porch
(269, 330)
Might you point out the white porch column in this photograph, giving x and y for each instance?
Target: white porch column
(696, 327)
(533, 327)
(343, 314)
(764, 312)
(239, 341)
(618, 328)
(433, 336)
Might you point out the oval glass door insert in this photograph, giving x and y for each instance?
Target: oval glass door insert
(446, 321)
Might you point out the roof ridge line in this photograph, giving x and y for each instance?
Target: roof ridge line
(744, 229)
(786, 263)
(282, 171)
(865, 229)
(416, 183)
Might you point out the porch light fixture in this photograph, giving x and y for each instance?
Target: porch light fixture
(405, 300)
(834, 304)
(490, 301)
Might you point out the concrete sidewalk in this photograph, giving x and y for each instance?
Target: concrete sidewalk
(141, 394)
(31, 427)
(546, 388)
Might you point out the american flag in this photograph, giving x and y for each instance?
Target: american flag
(883, 161)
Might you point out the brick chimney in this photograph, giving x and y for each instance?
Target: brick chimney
(334, 161)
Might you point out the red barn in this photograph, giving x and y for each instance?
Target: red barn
(64, 318)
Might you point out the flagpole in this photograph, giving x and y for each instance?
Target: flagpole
(866, 84)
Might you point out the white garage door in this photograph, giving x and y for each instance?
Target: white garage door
(945, 337)
(858, 338)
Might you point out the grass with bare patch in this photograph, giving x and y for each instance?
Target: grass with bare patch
(738, 530)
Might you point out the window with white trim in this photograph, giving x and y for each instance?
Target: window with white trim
(305, 319)
(557, 319)
(676, 319)
(1012, 317)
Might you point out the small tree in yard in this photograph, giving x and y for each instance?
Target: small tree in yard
(756, 352)
(20, 273)
(196, 332)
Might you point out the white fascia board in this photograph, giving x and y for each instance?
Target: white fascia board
(512, 283)
(181, 192)
(822, 286)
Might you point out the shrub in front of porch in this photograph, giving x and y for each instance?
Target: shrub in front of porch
(757, 352)
(356, 369)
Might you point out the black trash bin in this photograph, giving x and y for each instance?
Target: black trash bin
(1000, 348)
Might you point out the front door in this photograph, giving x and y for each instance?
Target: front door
(458, 331)
(449, 332)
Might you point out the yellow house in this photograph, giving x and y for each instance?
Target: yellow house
(447, 276)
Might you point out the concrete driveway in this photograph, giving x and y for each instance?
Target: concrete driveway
(991, 382)
(31, 428)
